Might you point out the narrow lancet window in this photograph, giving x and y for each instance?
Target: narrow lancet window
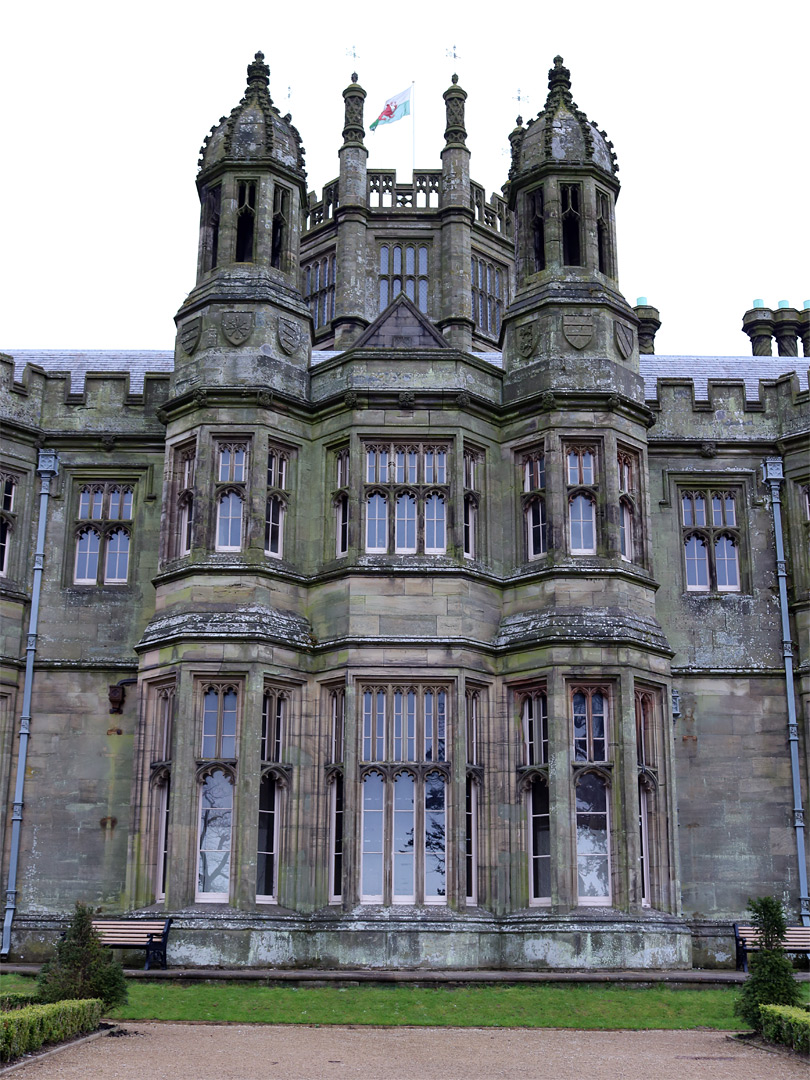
(571, 224)
(246, 221)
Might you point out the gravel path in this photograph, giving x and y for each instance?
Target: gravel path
(262, 1052)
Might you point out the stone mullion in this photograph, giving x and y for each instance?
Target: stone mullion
(246, 793)
(553, 223)
(227, 223)
(265, 189)
(667, 810)
(588, 214)
(608, 509)
(561, 795)
(184, 804)
(456, 808)
(352, 798)
(507, 882)
(144, 828)
(556, 495)
(624, 796)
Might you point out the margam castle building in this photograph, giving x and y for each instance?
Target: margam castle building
(412, 611)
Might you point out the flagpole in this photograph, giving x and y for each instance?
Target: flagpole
(413, 130)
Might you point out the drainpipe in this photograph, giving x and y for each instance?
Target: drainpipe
(47, 467)
(772, 477)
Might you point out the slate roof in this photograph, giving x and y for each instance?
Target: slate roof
(700, 369)
(135, 362)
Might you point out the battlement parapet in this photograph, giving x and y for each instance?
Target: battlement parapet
(88, 391)
(422, 193)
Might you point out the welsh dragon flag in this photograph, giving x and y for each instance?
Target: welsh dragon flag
(395, 108)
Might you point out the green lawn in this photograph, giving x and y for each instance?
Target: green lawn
(478, 1006)
(584, 1007)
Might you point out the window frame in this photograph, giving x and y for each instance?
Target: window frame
(211, 897)
(405, 480)
(709, 534)
(221, 689)
(404, 734)
(105, 509)
(582, 487)
(9, 484)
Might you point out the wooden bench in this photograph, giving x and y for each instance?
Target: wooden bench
(747, 939)
(149, 934)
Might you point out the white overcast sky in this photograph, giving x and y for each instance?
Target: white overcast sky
(105, 107)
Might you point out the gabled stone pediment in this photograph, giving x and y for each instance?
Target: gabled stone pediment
(401, 326)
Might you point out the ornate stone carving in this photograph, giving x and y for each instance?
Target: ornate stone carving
(708, 449)
(462, 399)
(624, 337)
(201, 397)
(237, 326)
(161, 416)
(264, 399)
(547, 401)
(614, 401)
(108, 442)
(525, 339)
(578, 330)
(406, 399)
(190, 334)
(290, 335)
(350, 399)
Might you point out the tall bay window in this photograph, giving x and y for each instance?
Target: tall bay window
(404, 795)
(589, 705)
(215, 836)
(277, 501)
(533, 468)
(582, 483)
(627, 464)
(231, 492)
(406, 498)
(488, 295)
(473, 467)
(340, 501)
(335, 778)
(648, 725)
(319, 290)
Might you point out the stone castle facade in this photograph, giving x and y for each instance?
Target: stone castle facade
(413, 612)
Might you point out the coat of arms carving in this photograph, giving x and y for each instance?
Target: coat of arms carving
(237, 326)
(190, 334)
(290, 335)
(525, 339)
(624, 337)
(578, 330)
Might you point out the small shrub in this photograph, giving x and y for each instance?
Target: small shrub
(25, 1030)
(82, 967)
(786, 1025)
(17, 1000)
(770, 980)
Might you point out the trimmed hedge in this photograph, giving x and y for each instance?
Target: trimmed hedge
(787, 1025)
(24, 1030)
(17, 1000)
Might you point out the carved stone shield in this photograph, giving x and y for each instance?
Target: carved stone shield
(624, 337)
(578, 330)
(525, 339)
(237, 326)
(290, 335)
(190, 334)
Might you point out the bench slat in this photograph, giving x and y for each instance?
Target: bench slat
(149, 934)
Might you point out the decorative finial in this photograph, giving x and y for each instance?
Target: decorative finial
(518, 121)
(559, 77)
(454, 80)
(354, 76)
(258, 74)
